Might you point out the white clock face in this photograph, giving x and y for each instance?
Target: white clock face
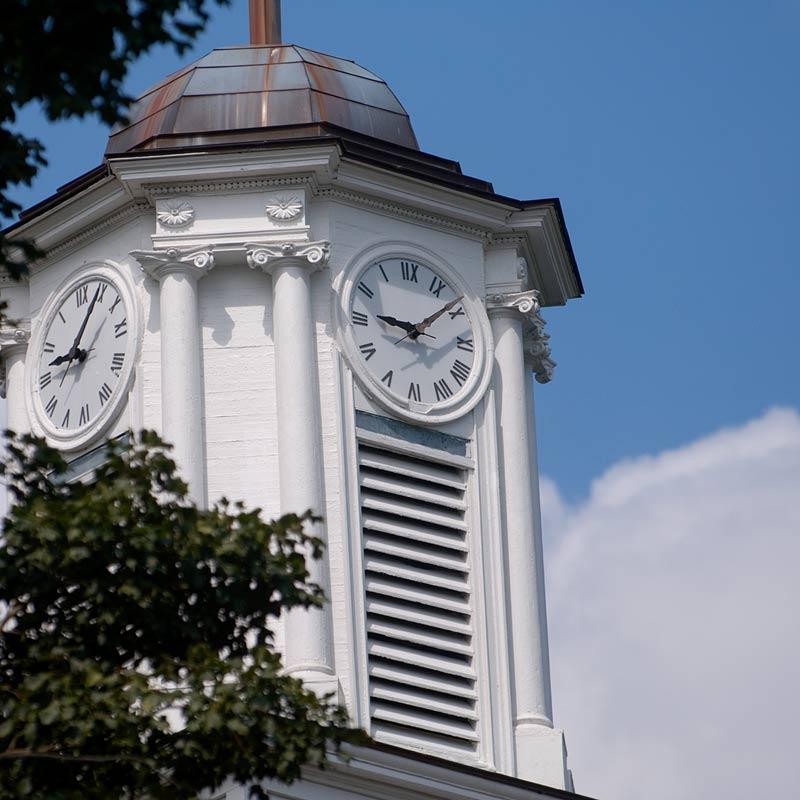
(83, 357)
(413, 332)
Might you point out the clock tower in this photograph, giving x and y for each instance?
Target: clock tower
(318, 314)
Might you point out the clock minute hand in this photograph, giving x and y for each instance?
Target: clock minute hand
(74, 350)
(428, 321)
(89, 310)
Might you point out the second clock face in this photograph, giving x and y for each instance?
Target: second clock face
(413, 331)
(83, 356)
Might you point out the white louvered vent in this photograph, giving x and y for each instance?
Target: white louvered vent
(422, 682)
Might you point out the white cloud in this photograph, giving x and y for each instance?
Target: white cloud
(674, 607)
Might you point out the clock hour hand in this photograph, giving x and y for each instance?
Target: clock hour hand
(59, 360)
(398, 323)
(408, 327)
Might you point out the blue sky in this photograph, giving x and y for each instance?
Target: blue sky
(668, 130)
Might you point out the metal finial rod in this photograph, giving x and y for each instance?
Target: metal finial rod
(265, 21)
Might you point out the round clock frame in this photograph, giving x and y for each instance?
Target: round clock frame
(469, 394)
(84, 435)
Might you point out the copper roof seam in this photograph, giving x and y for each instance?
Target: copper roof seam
(139, 100)
(158, 110)
(197, 65)
(257, 92)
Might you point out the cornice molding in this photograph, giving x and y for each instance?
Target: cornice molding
(270, 256)
(364, 200)
(503, 241)
(129, 211)
(536, 342)
(157, 191)
(193, 262)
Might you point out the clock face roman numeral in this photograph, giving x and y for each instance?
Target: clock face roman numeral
(460, 372)
(103, 287)
(387, 378)
(463, 343)
(359, 318)
(117, 360)
(367, 291)
(44, 380)
(409, 271)
(442, 390)
(367, 350)
(413, 392)
(114, 305)
(104, 393)
(65, 421)
(82, 295)
(51, 406)
(49, 347)
(85, 418)
(383, 272)
(459, 312)
(437, 284)
(121, 328)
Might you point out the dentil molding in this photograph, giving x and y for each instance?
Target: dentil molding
(267, 257)
(536, 342)
(226, 186)
(191, 261)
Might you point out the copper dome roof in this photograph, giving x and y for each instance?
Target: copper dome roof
(242, 94)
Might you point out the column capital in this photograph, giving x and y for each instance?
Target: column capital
(526, 306)
(268, 257)
(13, 339)
(192, 261)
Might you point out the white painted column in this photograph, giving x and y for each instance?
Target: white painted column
(177, 272)
(13, 347)
(540, 753)
(309, 639)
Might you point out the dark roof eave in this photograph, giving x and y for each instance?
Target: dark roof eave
(61, 194)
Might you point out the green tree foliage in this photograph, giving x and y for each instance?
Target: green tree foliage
(124, 606)
(72, 58)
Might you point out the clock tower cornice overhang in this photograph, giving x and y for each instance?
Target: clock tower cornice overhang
(354, 170)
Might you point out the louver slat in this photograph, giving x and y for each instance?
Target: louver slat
(422, 681)
(405, 677)
(452, 540)
(418, 615)
(415, 595)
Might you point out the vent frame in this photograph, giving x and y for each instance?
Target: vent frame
(424, 654)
